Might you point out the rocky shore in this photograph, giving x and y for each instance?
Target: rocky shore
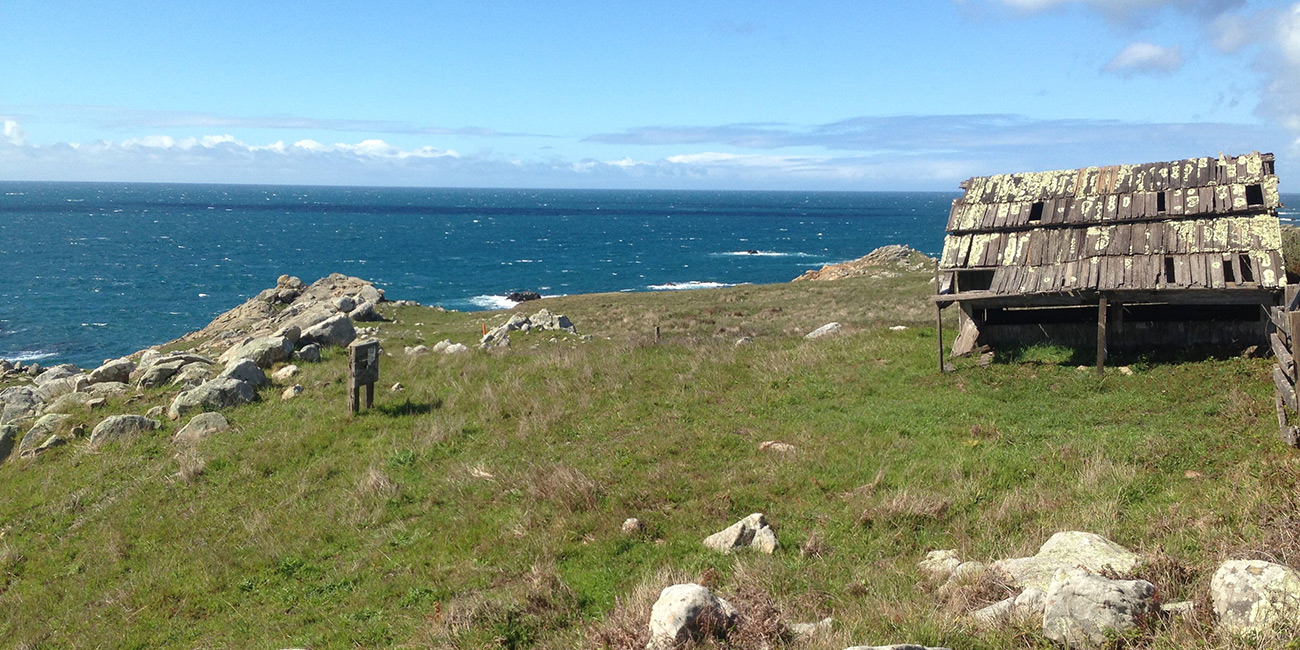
(219, 366)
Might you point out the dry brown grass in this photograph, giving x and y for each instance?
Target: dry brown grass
(563, 486)
(906, 507)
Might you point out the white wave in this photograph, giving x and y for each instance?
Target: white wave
(492, 302)
(758, 253)
(28, 355)
(684, 286)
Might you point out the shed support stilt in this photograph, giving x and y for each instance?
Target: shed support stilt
(1101, 336)
(938, 319)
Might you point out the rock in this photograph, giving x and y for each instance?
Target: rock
(369, 293)
(365, 313)
(1024, 608)
(158, 373)
(291, 392)
(1125, 370)
(744, 340)
(829, 329)
(632, 526)
(68, 403)
(51, 442)
(94, 402)
(397, 388)
(776, 446)
(336, 330)
(966, 573)
(939, 565)
(418, 350)
(246, 371)
(219, 393)
(545, 320)
(191, 375)
(8, 440)
(45, 426)
(1183, 609)
(897, 646)
(688, 612)
(118, 370)
(284, 374)
(155, 412)
(17, 402)
(1251, 596)
(55, 372)
(201, 427)
(752, 531)
(523, 296)
(56, 388)
(114, 427)
(344, 304)
(108, 389)
(1084, 611)
(456, 348)
(265, 351)
(1072, 551)
(290, 332)
(805, 631)
(440, 346)
(309, 353)
(897, 328)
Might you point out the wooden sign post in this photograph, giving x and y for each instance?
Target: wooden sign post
(363, 370)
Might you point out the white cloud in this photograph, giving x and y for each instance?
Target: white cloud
(1146, 58)
(13, 133)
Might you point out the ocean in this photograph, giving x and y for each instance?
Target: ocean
(90, 271)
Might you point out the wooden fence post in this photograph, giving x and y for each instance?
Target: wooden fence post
(1101, 336)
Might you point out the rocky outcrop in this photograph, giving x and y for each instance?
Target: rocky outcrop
(1085, 611)
(1070, 551)
(245, 371)
(117, 370)
(752, 532)
(543, 320)
(44, 428)
(337, 330)
(829, 329)
(1252, 596)
(17, 403)
(688, 612)
(222, 392)
(115, 427)
(200, 427)
(265, 351)
(886, 261)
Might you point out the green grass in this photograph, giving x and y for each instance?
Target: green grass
(481, 507)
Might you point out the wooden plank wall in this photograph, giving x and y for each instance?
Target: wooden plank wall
(1284, 329)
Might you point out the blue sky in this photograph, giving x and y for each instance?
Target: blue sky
(711, 95)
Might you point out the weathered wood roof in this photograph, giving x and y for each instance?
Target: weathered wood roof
(1198, 223)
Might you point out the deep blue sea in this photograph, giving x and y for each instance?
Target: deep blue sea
(90, 271)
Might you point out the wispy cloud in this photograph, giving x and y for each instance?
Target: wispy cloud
(1145, 58)
(1132, 12)
(119, 118)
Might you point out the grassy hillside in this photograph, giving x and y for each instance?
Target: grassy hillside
(481, 506)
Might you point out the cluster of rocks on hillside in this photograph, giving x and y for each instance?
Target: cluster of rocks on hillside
(884, 262)
(1081, 591)
(289, 322)
(543, 320)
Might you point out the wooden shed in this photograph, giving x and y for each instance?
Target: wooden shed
(1129, 256)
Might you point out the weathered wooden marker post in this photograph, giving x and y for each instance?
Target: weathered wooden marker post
(363, 370)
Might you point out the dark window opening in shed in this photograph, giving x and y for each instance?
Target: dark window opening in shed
(977, 280)
(1254, 195)
(1229, 275)
(1247, 273)
(1036, 212)
(1160, 201)
(1169, 270)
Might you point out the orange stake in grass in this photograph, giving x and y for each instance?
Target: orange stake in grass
(484, 329)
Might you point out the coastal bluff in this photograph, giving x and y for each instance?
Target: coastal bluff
(884, 262)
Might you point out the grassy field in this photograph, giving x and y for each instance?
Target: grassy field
(481, 506)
